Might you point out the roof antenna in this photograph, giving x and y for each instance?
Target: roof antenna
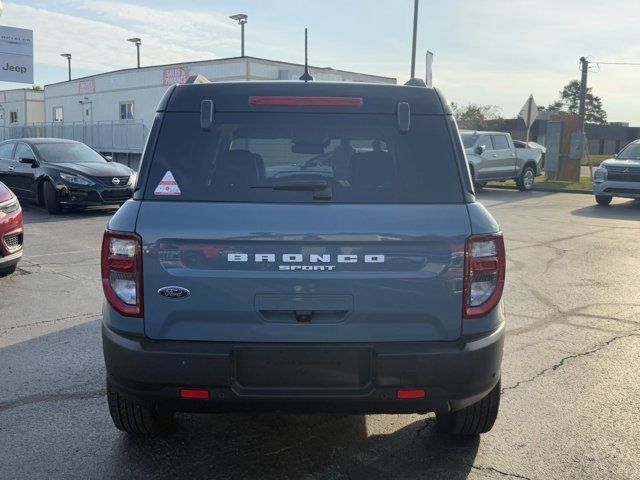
(306, 76)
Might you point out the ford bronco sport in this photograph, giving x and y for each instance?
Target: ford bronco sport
(301, 246)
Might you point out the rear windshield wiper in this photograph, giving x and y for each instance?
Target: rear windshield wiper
(321, 188)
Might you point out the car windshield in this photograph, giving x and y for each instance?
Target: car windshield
(631, 152)
(302, 157)
(68, 153)
(468, 139)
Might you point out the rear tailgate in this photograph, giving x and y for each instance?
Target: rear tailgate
(303, 273)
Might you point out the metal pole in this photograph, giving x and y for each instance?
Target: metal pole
(138, 48)
(69, 60)
(415, 34)
(583, 92)
(242, 41)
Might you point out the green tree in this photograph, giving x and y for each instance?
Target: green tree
(569, 101)
(474, 116)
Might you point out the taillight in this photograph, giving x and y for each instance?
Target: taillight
(484, 273)
(122, 272)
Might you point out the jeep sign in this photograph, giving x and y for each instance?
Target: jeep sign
(16, 55)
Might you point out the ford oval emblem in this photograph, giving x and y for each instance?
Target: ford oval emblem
(174, 292)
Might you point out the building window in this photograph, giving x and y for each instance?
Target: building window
(13, 117)
(58, 114)
(126, 110)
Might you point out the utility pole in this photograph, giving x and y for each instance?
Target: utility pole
(415, 34)
(584, 65)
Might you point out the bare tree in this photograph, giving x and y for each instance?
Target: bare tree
(474, 116)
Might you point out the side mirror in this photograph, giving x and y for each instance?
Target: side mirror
(480, 149)
(615, 155)
(108, 158)
(32, 161)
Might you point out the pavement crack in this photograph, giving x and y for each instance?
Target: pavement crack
(51, 397)
(80, 316)
(493, 469)
(556, 366)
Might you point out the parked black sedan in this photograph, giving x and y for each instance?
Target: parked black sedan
(56, 173)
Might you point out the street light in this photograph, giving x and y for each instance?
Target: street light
(138, 42)
(68, 57)
(415, 36)
(241, 18)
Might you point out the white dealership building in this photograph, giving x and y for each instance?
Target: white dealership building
(113, 111)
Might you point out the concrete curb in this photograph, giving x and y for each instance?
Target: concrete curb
(543, 189)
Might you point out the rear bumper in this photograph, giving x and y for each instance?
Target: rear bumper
(452, 374)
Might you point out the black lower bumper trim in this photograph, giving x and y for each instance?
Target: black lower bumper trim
(452, 374)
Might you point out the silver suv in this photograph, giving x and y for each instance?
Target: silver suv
(618, 176)
(493, 156)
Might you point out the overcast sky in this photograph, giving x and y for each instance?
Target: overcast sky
(486, 51)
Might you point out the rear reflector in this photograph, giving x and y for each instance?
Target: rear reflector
(305, 102)
(410, 394)
(194, 394)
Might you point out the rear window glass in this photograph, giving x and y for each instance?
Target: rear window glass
(302, 157)
(500, 142)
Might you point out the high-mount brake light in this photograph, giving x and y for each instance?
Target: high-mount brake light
(484, 273)
(121, 266)
(280, 101)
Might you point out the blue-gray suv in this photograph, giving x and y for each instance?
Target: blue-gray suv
(299, 246)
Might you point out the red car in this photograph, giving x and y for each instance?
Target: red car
(11, 231)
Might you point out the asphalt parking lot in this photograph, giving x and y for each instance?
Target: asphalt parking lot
(571, 372)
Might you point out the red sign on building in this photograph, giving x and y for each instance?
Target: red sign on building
(171, 76)
(86, 86)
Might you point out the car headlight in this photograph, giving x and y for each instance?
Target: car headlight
(133, 178)
(10, 206)
(600, 174)
(76, 179)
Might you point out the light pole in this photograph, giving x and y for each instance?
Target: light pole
(241, 18)
(415, 34)
(137, 42)
(68, 57)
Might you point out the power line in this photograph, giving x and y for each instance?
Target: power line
(618, 63)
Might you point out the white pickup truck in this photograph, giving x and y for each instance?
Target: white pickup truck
(494, 156)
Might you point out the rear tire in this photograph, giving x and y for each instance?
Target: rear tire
(8, 270)
(525, 181)
(474, 419)
(135, 419)
(51, 202)
(603, 200)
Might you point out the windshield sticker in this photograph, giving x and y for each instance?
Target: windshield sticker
(167, 186)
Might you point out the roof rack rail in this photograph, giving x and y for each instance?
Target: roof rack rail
(416, 82)
(197, 79)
